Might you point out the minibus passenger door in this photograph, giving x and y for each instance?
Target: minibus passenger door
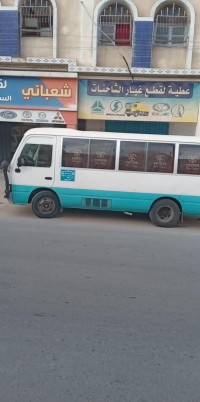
(35, 163)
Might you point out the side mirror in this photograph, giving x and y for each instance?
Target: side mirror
(4, 165)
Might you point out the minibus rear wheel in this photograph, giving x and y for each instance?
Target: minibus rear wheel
(165, 213)
(45, 204)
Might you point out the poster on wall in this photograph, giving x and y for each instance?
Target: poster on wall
(139, 100)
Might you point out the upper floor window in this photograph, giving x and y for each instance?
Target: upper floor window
(36, 18)
(115, 25)
(171, 26)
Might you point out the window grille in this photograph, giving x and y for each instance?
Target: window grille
(115, 25)
(36, 18)
(171, 26)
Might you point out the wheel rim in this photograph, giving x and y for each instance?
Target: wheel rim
(165, 214)
(46, 205)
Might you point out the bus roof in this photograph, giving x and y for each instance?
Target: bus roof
(111, 135)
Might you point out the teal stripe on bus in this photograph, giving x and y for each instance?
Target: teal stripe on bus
(117, 200)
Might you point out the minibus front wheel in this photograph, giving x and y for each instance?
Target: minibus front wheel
(165, 213)
(45, 204)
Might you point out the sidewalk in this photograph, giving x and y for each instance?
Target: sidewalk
(7, 209)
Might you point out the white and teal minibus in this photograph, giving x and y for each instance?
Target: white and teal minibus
(57, 168)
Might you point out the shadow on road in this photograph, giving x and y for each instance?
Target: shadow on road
(10, 211)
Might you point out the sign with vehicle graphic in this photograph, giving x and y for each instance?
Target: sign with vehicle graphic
(143, 101)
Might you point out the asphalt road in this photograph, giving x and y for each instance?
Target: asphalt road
(98, 307)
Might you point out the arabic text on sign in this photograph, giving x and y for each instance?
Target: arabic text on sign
(41, 91)
(140, 89)
(6, 98)
(3, 84)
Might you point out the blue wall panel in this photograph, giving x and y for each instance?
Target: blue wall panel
(142, 44)
(9, 33)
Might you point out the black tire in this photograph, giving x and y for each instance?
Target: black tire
(165, 213)
(45, 204)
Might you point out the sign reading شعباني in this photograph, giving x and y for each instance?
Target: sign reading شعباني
(44, 93)
(150, 101)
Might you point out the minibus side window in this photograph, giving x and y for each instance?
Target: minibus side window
(132, 156)
(189, 159)
(75, 152)
(36, 155)
(102, 154)
(160, 158)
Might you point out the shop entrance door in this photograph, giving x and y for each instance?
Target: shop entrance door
(140, 127)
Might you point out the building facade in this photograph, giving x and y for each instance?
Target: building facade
(127, 66)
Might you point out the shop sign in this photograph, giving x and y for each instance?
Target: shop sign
(44, 93)
(32, 116)
(143, 101)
